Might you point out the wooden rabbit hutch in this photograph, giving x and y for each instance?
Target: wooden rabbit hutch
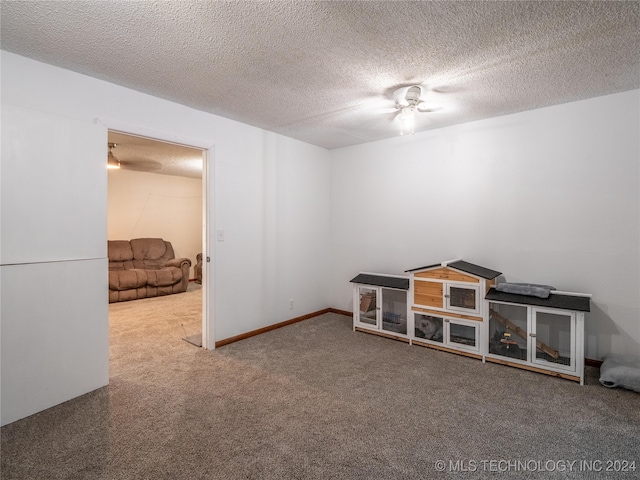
(458, 307)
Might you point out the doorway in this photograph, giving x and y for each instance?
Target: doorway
(161, 191)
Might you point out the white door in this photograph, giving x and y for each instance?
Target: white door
(54, 305)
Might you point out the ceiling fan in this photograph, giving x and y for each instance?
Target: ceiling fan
(138, 164)
(409, 100)
(112, 161)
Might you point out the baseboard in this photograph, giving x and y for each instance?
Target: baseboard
(590, 362)
(266, 329)
(340, 312)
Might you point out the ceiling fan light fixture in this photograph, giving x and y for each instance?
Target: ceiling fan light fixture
(112, 162)
(413, 94)
(407, 120)
(409, 100)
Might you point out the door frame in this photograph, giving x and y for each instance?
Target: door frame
(207, 145)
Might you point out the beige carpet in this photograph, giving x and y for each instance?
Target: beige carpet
(153, 326)
(313, 400)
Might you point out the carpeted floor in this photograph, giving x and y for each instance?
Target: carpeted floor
(315, 400)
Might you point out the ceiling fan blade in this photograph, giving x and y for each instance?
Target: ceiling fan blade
(447, 89)
(140, 165)
(387, 110)
(431, 105)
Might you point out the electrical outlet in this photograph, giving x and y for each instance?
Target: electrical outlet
(291, 304)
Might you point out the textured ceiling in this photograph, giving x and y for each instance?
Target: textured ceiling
(323, 71)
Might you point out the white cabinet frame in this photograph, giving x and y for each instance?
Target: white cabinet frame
(573, 371)
(384, 289)
(446, 341)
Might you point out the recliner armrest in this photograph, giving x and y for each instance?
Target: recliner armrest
(178, 262)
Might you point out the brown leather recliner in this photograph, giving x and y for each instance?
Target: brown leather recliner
(198, 268)
(145, 267)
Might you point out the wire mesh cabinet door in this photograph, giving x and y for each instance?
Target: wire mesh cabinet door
(462, 298)
(553, 339)
(508, 331)
(394, 311)
(368, 300)
(462, 334)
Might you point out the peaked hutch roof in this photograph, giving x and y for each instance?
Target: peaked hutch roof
(465, 267)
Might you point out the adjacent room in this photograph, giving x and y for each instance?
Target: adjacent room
(404, 238)
(155, 231)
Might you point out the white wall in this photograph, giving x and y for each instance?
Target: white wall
(547, 196)
(150, 205)
(268, 193)
(275, 246)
